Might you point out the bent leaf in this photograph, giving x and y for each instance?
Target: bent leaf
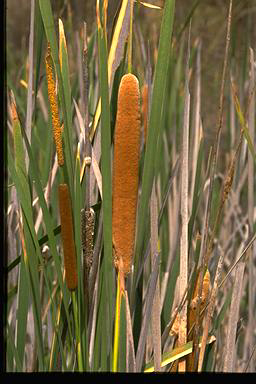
(175, 354)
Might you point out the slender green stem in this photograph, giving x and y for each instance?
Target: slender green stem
(117, 327)
(78, 340)
(130, 40)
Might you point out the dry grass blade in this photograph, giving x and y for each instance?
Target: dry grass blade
(250, 359)
(173, 174)
(130, 353)
(209, 314)
(230, 351)
(89, 160)
(148, 5)
(182, 338)
(155, 320)
(251, 124)
(197, 131)
(148, 307)
(249, 244)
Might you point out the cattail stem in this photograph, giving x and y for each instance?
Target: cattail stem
(125, 172)
(117, 323)
(184, 211)
(78, 338)
(130, 40)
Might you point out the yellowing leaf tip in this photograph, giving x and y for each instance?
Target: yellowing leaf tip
(148, 5)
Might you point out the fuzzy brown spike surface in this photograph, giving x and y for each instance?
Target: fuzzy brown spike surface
(54, 107)
(126, 172)
(67, 237)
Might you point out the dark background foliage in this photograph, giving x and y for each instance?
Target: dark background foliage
(208, 23)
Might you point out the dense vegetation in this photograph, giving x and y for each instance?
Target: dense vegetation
(131, 200)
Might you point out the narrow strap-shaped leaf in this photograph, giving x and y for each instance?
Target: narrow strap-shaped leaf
(197, 191)
(39, 35)
(175, 354)
(30, 260)
(230, 348)
(64, 66)
(32, 245)
(11, 346)
(30, 79)
(22, 311)
(106, 175)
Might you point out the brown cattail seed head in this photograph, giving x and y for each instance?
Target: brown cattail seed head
(87, 226)
(54, 107)
(67, 237)
(125, 172)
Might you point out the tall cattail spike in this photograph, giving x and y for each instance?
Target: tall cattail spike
(54, 107)
(67, 237)
(125, 172)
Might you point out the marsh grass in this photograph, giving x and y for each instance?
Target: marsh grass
(196, 204)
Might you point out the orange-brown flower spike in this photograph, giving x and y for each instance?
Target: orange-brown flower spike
(126, 172)
(54, 107)
(67, 237)
(144, 110)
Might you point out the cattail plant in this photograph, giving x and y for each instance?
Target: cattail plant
(67, 237)
(125, 172)
(54, 106)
